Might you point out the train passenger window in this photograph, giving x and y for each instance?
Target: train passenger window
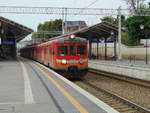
(62, 51)
(72, 50)
(81, 50)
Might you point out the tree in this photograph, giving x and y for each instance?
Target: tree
(108, 19)
(133, 5)
(133, 26)
(114, 20)
(55, 25)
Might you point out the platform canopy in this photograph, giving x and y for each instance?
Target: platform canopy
(11, 29)
(10, 33)
(97, 31)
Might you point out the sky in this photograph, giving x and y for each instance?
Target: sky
(32, 21)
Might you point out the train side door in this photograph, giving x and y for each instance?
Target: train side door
(34, 53)
(48, 54)
(42, 53)
(53, 54)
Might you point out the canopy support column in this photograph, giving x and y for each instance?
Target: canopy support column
(90, 46)
(105, 49)
(115, 47)
(97, 48)
(15, 46)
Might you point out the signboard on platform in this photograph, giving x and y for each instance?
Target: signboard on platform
(143, 41)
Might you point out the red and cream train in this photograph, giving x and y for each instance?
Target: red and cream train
(68, 54)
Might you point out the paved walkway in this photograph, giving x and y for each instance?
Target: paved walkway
(27, 87)
(137, 69)
(136, 63)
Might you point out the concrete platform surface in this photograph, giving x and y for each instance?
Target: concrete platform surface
(137, 69)
(28, 87)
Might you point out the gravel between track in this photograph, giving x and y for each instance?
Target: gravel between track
(137, 94)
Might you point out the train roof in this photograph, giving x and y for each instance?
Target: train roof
(62, 40)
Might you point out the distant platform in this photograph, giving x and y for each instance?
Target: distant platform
(134, 69)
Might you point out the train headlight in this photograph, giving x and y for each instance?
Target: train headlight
(81, 61)
(72, 36)
(64, 61)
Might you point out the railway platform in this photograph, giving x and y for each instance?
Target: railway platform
(133, 69)
(29, 87)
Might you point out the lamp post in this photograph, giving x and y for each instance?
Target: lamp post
(142, 27)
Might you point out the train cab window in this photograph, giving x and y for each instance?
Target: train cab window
(72, 50)
(81, 50)
(62, 51)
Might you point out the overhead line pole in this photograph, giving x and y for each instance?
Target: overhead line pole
(65, 26)
(63, 21)
(119, 35)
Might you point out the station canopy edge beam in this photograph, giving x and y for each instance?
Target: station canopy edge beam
(18, 30)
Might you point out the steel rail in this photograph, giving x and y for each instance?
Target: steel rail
(118, 98)
(135, 81)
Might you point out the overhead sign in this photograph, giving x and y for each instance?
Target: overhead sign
(95, 41)
(98, 41)
(143, 41)
(8, 42)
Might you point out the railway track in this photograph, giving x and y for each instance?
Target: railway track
(121, 77)
(111, 98)
(120, 104)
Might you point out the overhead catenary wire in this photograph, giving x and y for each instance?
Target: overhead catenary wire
(70, 11)
(88, 6)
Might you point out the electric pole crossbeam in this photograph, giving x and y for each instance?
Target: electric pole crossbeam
(57, 10)
(49, 32)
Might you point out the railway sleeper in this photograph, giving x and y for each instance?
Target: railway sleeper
(122, 107)
(114, 103)
(111, 102)
(107, 98)
(117, 104)
(130, 111)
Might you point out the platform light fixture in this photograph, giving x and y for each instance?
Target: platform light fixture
(112, 32)
(0, 41)
(141, 26)
(2, 31)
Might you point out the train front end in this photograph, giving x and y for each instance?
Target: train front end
(72, 56)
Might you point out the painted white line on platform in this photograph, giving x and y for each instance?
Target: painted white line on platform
(11, 103)
(27, 87)
(92, 98)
